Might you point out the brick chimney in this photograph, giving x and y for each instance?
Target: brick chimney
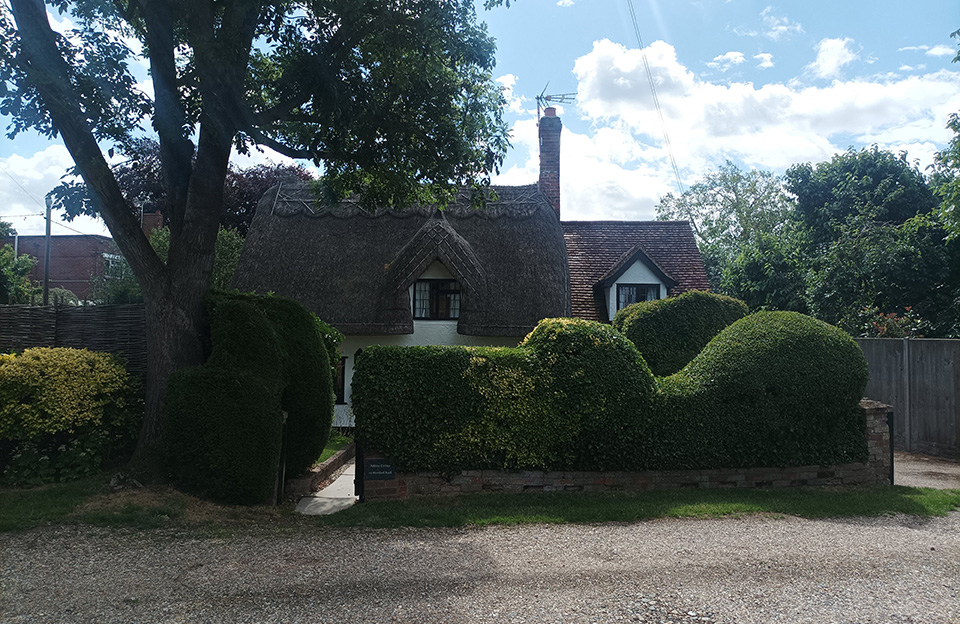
(549, 183)
(149, 221)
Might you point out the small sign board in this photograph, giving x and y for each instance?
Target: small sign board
(379, 470)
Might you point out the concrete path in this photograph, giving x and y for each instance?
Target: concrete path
(331, 499)
(925, 471)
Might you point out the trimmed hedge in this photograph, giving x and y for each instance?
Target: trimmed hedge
(64, 413)
(223, 433)
(446, 408)
(671, 332)
(598, 383)
(772, 389)
(285, 349)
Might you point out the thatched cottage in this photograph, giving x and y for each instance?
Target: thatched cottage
(461, 276)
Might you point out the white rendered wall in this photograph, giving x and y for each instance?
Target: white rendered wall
(637, 273)
(424, 333)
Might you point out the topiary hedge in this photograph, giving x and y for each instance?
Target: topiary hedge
(771, 389)
(64, 414)
(285, 349)
(669, 333)
(223, 433)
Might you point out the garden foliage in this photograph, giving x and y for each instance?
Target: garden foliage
(771, 389)
(268, 357)
(671, 332)
(64, 413)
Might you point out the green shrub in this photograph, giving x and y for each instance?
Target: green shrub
(773, 389)
(223, 433)
(669, 333)
(64, 413)
(279, 343)
(597, 381)
(564, 399)
(446, 408)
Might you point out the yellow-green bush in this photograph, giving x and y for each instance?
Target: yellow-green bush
(63, 411)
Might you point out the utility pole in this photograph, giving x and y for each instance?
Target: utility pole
(46, 255)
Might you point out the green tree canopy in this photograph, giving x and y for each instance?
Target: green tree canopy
(871, 184)
(394, 99)
(728, 209)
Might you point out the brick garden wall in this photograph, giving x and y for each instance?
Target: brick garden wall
(877, 469)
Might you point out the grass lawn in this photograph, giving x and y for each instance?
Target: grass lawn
(576, 507)
(92, 502)
(336, 442)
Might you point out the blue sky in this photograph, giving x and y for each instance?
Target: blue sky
(765, 85)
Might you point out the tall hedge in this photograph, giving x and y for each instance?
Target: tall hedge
(671, 332)
(264, 345)
(774, 388)
(598, 382)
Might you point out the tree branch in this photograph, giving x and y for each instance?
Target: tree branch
(169, 118)
(49, 73)
(262, 139)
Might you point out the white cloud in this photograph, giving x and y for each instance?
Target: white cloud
(937, 50)
(24, 182)
(777, 28)
(564, 3)
(766, 60)
(619, 168)
(515, 103)
(941, 50)
(832, 55)
(725, 61)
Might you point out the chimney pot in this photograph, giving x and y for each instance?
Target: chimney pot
(550, 111)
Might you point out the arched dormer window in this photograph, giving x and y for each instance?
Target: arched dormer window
(436, 294)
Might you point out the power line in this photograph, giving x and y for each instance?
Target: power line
(25, 191)
(36, 201)
(656, 99)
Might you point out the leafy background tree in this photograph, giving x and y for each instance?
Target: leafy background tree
(395, 100)
(140, 177)
(15, 284)
(859, 241)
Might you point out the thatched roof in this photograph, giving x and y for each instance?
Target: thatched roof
(599, 251)
(353, 268)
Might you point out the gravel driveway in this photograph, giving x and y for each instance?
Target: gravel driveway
(752, 569)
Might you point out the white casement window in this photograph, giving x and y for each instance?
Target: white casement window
(436, 299)
(112, 266)
(632, 293)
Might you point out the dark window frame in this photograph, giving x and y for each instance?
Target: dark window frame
(621, 306)
(339, 381)
(436, 292)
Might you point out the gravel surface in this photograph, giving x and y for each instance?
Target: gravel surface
(743, 570)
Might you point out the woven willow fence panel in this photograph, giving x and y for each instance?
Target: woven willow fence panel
(119, 329)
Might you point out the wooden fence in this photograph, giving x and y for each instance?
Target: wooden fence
(119, 329)
(920, 378)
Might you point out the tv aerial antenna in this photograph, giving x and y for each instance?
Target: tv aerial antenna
(544, 100)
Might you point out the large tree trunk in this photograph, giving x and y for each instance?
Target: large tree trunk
(175, 325)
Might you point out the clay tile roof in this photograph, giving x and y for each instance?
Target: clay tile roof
(596, 249)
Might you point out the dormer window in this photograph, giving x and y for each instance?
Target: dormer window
(436, 299)
(632, 293)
